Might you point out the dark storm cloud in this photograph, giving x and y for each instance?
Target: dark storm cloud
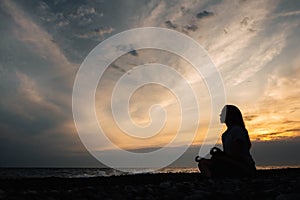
(25, 152)
(35, 89)
(40, 53)
(268, 153)
(282, 152)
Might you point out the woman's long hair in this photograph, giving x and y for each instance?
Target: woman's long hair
(234, 117)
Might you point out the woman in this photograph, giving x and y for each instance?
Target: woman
(236, 159)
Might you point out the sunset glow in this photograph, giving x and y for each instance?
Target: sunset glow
(253, 44)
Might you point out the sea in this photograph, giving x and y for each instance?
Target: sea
(15, 173)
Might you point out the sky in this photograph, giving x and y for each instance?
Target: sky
(253, 44)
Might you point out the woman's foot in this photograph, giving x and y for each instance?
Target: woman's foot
(204, 166)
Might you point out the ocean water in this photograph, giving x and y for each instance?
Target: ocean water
(81, 172)
(96, 172)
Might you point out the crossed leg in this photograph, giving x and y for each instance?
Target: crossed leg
(205, 166)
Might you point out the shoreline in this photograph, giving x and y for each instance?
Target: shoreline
(266, 184)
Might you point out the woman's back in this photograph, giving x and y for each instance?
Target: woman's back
(236, 144)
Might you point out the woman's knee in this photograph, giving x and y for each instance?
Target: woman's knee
(204, 163)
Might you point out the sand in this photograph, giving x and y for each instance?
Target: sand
(266, 184)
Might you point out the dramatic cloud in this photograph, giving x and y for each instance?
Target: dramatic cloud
(279, 105)
(254, 45)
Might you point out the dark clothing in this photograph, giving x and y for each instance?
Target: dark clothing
(234, 162)
(233, 135)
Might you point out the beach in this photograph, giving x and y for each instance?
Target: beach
(266, 184)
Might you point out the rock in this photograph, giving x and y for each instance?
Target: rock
(265, 185)
(292, 196)
(130, 188)
(30, 192)
(2, 194)
(194, 196)
(165, 185)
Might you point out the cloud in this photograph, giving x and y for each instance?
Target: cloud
(286, 14)
(180, 16)
(169, 24)
(96, 34)
(244, 33)
(275, 114)
(204, 14)
(133, 52)
(56, 146)
(190, 27)
(118, 68)
(249, 43)
(38, 40)
(250, 117)
(29, 91)
(154, 16)
(258, 59)
(248, 24)
(274, 153)
(242, 50)
(83, 11)
(37, 94)
(84, 15)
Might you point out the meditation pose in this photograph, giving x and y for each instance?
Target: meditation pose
(235, 159)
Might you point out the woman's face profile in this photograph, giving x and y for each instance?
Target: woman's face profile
(223, 115)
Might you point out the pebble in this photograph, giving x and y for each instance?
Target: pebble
(177, 186)
(292, 196)
(165, 185)
(194, 197)
(2, 193)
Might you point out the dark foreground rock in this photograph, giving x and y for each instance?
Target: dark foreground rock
(266, 184)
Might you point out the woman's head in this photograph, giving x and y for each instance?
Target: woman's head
(231, 115)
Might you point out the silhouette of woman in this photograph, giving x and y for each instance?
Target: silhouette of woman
(236, 159)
